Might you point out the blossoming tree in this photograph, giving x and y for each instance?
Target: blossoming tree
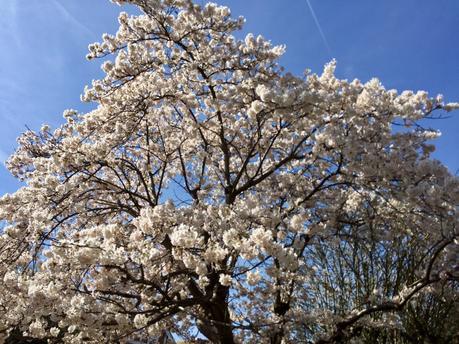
(208, 189)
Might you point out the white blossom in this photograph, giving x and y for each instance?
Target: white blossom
(225, 280)
(213, 194)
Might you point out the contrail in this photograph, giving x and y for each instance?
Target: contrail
(318, 26)
(70, 18)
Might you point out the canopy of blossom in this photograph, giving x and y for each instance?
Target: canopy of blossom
(197, 195)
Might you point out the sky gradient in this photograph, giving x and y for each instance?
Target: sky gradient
(408, 44)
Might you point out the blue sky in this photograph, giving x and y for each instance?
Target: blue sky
(408, 44)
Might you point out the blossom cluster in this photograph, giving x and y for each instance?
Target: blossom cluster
(209, 188)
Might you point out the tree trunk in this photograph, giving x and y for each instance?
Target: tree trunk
(217, 325)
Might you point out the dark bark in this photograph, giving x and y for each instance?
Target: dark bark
(16, 337)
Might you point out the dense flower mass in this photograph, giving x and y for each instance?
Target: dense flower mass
(212, 194)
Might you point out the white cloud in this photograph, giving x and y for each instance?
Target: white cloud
(8, 22)
(349, 71)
